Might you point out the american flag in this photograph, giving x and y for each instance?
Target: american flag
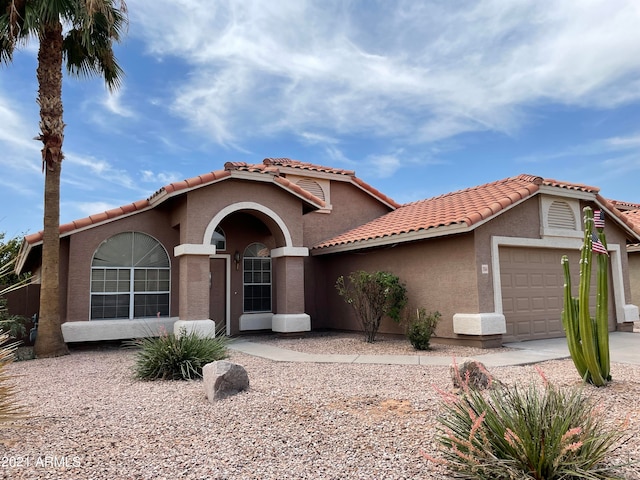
(597, 246)
(598, 219)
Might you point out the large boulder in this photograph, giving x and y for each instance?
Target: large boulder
(470, 374)
(223, 379)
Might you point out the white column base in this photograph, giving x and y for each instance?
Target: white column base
(202, 328)
(291, 323)
(479, 323)
(630, 314)
(255, 321)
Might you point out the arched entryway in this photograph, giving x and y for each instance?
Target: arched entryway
(229, 242)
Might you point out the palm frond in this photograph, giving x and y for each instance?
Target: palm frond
(88, 46)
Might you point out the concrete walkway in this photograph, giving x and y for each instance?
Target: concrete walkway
(624, 348)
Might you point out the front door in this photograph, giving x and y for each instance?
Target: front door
(218, 292)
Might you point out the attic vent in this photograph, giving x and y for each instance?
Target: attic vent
(312, 187)
(561, 216)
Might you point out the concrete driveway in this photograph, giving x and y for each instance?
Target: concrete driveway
(624, 347)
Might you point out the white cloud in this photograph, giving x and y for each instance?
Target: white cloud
(113, 103)
(160, 178)
(631, 141)
(429, 70)
(90, 208)
(385, 165)
(89, 173)
(19, 151)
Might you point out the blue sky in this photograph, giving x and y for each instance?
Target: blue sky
(420, 98)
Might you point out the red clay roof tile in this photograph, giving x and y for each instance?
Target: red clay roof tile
(621, 205)
(621, 215)
(287, 162)
(633, 217)
(375, 192)
(465, 207)
(269, 167)
(99, 217)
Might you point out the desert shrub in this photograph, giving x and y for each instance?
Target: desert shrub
(182, 357)
(10, 408)
(372, 296)
(525, 433)
(421, 328)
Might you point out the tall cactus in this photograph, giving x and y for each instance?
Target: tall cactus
(588, 337)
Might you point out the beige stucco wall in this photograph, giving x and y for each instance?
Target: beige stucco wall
(204, 203)
(83, 245)
(439, 275)
(351, 207)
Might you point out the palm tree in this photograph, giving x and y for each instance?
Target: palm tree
(80, 33)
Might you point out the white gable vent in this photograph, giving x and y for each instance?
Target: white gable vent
(312, 187)
(560, 215)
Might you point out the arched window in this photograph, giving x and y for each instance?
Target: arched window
(219, 239)
(256, 263)
(130, 278)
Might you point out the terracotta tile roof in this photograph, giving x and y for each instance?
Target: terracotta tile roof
(633, 216)
(464, 208)
(269, 166)
(191, 183)
(622, 205)
(286, 162)
(375, 192)
(570, 186)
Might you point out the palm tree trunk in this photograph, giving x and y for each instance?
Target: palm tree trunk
(50, 342)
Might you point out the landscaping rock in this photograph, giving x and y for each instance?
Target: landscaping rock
(472, 374)
(223, 379)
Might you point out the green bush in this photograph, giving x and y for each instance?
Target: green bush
(421, 328)
(525, 433)
(177, 358)
(372, 296)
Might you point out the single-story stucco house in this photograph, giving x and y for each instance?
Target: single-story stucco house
(259, 247)
(632, 212)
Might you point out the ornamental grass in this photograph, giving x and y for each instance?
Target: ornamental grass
(516, 432)
(182, 357)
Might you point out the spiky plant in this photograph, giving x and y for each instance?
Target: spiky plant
(522, 433)
(588, 337)
(10, 408)
(177, 357)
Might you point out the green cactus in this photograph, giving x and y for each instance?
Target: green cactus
(588, 337)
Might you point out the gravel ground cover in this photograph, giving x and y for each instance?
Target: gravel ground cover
(92, 420)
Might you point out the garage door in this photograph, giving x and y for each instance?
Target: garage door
(532, 291)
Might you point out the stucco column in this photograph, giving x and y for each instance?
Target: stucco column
(194, 289)
(289, 270)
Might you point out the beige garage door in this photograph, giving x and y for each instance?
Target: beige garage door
(532, 291)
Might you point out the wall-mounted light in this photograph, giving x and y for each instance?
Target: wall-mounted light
(236, 258)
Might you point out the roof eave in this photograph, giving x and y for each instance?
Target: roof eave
(566, 192)
(164, 195)
(422, 234)
(23, 254)
(369, 190)
(619, 217)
